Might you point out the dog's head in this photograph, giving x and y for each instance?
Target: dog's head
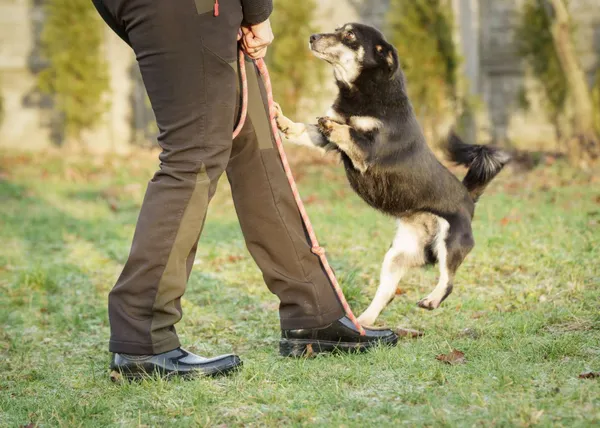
(354, 48)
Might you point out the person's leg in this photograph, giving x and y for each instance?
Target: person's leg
(271, 223)
(183, 53)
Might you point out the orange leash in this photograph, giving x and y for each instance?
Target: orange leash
(316, 248)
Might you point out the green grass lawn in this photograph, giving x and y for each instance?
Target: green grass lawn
(525, 309)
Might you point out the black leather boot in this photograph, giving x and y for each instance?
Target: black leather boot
(341, 335)
(177, 362)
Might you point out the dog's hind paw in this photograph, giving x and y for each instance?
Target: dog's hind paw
(428, 304)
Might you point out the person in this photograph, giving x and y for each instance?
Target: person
(187, 53)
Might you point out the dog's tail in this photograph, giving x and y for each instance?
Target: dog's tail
(484, 163)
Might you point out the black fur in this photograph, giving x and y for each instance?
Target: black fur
(484, 163)
(373, 126)
(403, 174)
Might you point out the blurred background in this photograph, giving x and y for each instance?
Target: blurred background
(524, 74)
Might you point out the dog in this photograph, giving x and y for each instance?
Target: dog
(388, 163)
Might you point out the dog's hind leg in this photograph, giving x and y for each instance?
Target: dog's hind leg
(406, 251)
(452, 244)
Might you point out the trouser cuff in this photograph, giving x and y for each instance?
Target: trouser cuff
(138, 348)
(312, 321)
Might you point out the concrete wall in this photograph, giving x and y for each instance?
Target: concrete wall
(493, 72)
(485, 31)
(29, 120)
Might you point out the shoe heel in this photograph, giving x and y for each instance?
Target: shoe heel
(288, 348)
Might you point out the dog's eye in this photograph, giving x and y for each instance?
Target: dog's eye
(350, 36)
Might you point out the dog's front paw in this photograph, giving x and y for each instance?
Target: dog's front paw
(429, 304)
(326, 125)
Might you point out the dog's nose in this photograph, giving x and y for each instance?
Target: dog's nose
(314, 38)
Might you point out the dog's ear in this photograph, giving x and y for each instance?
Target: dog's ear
(388, 55)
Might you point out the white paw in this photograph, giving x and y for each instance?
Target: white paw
(429, 303)
(366, 320)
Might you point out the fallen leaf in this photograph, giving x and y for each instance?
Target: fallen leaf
(116, 377)
(589, 375)
(478, 315)
(233, 259)
(400, 291)
(311, 199)
(453, 358)
(408, 333)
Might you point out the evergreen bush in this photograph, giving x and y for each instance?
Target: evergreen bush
(77, 74)
(1, 104)
(296, 73)
(535, 45)
(422, 31)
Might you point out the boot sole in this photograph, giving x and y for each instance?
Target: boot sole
(297, 348)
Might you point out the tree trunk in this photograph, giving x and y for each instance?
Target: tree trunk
(583, 107)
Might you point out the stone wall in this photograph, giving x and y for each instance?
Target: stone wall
(502, 74)
(493, 72)
(485, 31)
(29, 120)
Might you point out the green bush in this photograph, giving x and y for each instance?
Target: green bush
(1, 104)
(596, 100)
(422, 31)
(536, 46)
(77, 75)
(295, 72)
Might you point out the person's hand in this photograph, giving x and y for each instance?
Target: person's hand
(256, 38)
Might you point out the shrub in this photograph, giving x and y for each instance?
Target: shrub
(422, 31)
(77, 75)
(295, 72)
(536, 46)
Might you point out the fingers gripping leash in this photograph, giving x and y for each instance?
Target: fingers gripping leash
(316, 248)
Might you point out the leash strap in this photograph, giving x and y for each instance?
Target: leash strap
(316, 248)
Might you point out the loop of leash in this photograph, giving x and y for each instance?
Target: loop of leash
(316, 248)
(244, 109)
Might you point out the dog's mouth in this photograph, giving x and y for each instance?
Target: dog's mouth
(325, 47)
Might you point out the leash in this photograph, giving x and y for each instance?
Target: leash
(316, 248)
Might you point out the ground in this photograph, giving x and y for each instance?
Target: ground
(525, 309)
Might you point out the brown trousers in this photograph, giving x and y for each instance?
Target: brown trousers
(187, 58)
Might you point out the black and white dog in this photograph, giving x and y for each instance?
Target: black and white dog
(373, 126)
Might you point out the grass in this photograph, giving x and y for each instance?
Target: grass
(525, 311)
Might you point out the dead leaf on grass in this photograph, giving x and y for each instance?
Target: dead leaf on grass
(116, 377)
(589, 375)
(409, 333)
(453, 358)
(311, 199)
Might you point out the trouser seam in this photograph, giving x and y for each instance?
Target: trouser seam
(306, 278)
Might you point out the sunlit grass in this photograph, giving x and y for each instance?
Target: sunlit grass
(525, 311)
